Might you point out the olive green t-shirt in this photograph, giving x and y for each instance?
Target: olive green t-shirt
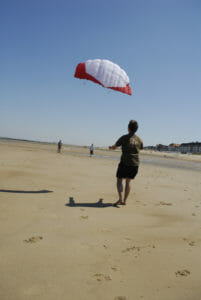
(131, 145)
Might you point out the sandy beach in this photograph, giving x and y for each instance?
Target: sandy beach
(59, 240)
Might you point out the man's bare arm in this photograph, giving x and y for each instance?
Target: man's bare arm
(113, 147)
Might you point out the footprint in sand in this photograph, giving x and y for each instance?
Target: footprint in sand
(115, 268)
(131, 249)
(84, 217)
(33, 239)
(104, 230)
(120, 298)
(137, 248)
(101, 277)
(164, 203)
(193, 214)
(182, 273)
(192, 243)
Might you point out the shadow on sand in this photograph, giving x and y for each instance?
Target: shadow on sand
(26, 192)
(98, 204)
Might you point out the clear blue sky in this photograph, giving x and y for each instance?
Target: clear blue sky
(157, 42)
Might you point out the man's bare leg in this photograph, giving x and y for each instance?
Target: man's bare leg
(127, 190)
(119, 190)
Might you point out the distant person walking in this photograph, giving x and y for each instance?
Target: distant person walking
(91, 150)
(131, 145)
(59, 146)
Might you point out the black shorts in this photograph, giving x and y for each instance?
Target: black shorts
(124, 171)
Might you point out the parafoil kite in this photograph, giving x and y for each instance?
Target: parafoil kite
(105, 73)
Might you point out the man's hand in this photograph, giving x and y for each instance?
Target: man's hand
(112, 147)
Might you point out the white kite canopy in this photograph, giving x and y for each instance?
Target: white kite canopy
(105, 73)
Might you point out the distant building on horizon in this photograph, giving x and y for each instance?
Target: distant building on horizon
(174, 147)
(161, 147)
(192, 147)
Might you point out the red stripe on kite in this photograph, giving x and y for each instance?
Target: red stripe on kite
(80, 72)
(126, 89)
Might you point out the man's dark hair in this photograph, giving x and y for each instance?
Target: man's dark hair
(133, 125)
